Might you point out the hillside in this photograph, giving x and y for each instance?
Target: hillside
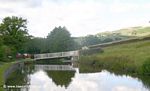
(134, 31)
(127, 32)
(110, 36)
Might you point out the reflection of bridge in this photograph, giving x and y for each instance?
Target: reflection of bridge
(56, 55)
(55, 67)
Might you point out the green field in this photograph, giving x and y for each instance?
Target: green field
(128, 58)
(135, 31)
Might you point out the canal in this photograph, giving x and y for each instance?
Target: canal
(38, 76)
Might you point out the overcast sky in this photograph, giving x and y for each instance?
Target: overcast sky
(81, 17)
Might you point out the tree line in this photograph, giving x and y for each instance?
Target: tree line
(14, 39)
(58, 40)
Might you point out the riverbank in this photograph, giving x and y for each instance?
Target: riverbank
(129, 58)
(4, 66)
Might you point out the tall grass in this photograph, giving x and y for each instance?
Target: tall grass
(127, 58)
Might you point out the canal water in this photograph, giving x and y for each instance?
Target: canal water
(54, 77)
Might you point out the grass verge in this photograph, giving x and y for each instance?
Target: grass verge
(4, 67)
(128, 58)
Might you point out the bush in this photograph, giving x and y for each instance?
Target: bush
(91, 51)
(5, 51)
(146, 67)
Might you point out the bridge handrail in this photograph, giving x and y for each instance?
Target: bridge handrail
(56, 54)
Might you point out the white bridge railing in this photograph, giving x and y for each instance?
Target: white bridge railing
(56, 55)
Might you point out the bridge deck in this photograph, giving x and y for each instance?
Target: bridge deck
(56, 55)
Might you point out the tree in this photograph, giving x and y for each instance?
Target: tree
(14, 31)
(35, 45)
(107, 40)
(1, 41)
(91, 40)
(59, 39)
(5, 51)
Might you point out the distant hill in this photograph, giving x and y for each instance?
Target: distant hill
(127, 32)
(134, 31)
(111, 36)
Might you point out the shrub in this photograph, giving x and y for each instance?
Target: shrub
(5, 51)
(146, 67)
(91, 51)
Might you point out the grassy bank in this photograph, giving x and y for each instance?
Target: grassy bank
(128, 58)
(4, 66)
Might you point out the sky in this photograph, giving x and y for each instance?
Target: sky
(80, 17)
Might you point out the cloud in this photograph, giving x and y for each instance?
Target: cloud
(11, 0)
(81, 17)
(12, 4)
(34, 3)
(124, 88)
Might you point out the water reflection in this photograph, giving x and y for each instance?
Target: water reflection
(47, 79)
(103, 81)
(61, 78)
(55, 67)
(61, 74)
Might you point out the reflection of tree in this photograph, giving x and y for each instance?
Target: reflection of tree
(62, 78)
